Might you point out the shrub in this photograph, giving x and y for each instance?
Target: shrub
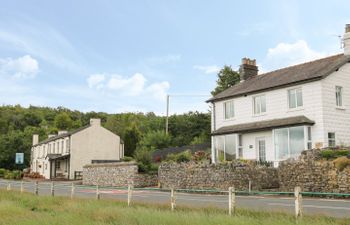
(158, 158)
(200, 156)
(185, 156)
(2, 172)
(16, 174)
(341, 163)
(332, 154)
(127, 159)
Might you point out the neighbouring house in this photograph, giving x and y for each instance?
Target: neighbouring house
(64, 155)
(276, 115)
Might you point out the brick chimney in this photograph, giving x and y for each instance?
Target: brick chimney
(35, 139)
(248, 69)
(346, 40)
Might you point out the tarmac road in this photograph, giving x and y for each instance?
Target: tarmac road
(313, 206)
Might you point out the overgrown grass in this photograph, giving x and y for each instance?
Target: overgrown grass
(22, 209)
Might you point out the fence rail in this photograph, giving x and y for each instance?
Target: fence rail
(72, 190)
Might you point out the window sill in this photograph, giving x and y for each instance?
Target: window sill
(340, 108)
(230, 119)
(295, 109)
(258, 115)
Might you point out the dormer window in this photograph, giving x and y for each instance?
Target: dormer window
(229, 110)
(295, 98)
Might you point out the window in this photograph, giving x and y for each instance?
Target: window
(259, 104)
(309, 139)
(229, 110)
(225, 147)
(295, 98)
(62, 146)
(53, 148)
(58, 165)
(289, 142)
(67, 146)
(58, 147)
(331, 139)
(240, 146)
(339, 96)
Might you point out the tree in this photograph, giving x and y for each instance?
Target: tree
(63, 121)
(154, 140)
(131, 138)
(227, 77)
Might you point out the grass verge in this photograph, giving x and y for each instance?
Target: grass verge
(23, 209)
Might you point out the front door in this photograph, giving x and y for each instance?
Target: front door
(261, 149)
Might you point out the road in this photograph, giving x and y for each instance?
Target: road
(312, 206)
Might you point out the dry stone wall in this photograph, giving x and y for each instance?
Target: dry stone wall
(313, 174)
(221, 176)
(119, 174)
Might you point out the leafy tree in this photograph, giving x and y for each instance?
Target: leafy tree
(63, 121)
(131, 138)
(227, 77)
(154, 140)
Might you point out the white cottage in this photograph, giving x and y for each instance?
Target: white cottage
(64, 155)
(276, 115)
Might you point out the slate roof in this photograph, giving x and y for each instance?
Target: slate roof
(264, 125)
(293, 75)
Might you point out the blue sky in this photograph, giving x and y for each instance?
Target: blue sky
(119, 56)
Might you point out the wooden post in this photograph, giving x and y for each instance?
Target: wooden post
(250, 186)
(298, 202)
(36, 188)
(97, 193)
(8, 186)
(129, 195)
(52, 189)
(172, 199)
(72, 191)
(22, 186)
(231, 201)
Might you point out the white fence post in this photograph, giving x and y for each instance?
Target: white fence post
(8, 186)
(72, 191)
(52, 189)
(250, 186)
(298, 202)
(22, 186)
(129, 194)
(231, 200)
(172, 199)
(97, 193)
(36, 188)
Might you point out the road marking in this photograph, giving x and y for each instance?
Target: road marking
(311, 206)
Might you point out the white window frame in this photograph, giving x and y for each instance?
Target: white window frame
(339, 96)
(233, 106)
(295, 90)
(331, 139)
(260, 105)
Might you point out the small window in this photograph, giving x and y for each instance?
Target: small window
(240, 147)
(259, 104)
(67, 146)
(339, 96)
(62, 144)
(331, 139)
(229, 110)
(295, 98)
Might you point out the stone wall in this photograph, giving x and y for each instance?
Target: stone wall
(119, 174)
(313, 174)
(220, 176)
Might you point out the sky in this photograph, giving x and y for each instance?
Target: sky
(126, 56)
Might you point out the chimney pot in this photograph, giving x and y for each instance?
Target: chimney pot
(346, 40)
(347, 28)
(35, 139)
(248, 69)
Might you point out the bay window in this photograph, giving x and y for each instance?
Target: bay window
(225, 147)
(290, 142)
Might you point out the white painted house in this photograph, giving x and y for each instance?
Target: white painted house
(276, 115)
(64, 155)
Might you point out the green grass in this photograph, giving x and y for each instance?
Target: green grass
(16, 208)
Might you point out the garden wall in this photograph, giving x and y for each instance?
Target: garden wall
(220, 176)
(313, 174)
(119, 174)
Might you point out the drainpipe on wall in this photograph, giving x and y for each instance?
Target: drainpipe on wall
(213, 128)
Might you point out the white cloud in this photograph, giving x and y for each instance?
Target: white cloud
(96, 80)
(158, 90)
(128, 86)
(286, 54)
(207, 69)
(22, 67)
